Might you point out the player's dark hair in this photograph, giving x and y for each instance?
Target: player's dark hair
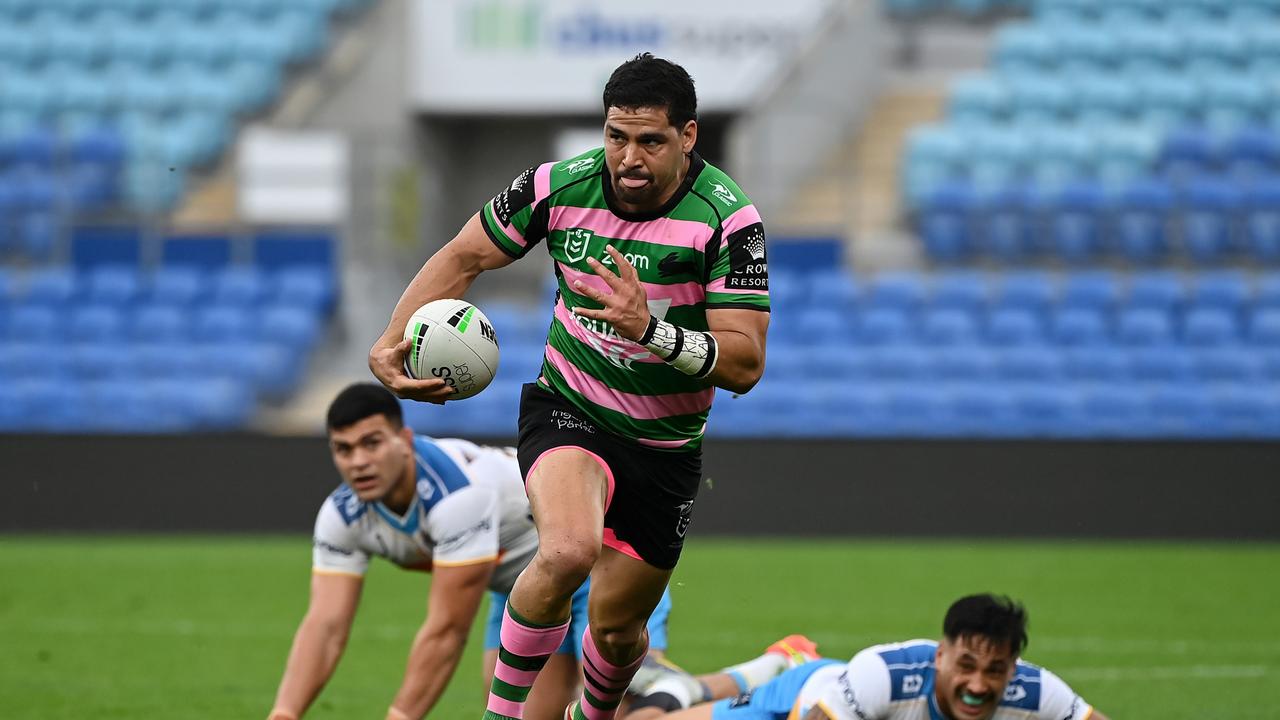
(646, 81)
(361, 400)
(996, 619)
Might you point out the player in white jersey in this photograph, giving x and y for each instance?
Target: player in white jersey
(449, 507)
(973, 673)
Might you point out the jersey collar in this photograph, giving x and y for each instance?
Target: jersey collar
(696, 163)
(407, 524)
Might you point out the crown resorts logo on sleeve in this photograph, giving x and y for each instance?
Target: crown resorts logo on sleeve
(748, 268)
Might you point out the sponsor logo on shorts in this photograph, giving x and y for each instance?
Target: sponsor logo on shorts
(569, 421)
(741, 701)
(685, 511)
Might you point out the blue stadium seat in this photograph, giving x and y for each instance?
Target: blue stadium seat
(222, 323)
(1226, 290)
(1156, 290)
(239, 286)
(1103, 363)
(1264, 327)
(1180, 410)
(1171, 100)
(895, 290)
(1211, 204)
(1141, 220)
(95, 323)
(1241, 411)
(1229, 363)
(1029, 364)
(834, 287)
(900, 362)
(112, 284)
(1080, 326)
(1024, 47)
(1032, 291)
(1113, 411)
(178, 286)
(159, 323)
(945, 221)
(948, 326)
(965, 364)
(1092, 290)
(1012, 326)
(1047, 411)
(882, 326)
(289, 325)
(1161, 364)
(1076, 215)
(29, 322)
(1143, 327)
(983, 410)
(50, 286)
(311, 288)
(203, 252)
(1007, 225)
(1267, 291)
(1262, 218)
(1209, 327)
(968, 291)
(1252, 152)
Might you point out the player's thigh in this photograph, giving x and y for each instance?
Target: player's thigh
(624, 591)
(557, 685)
(567, 488)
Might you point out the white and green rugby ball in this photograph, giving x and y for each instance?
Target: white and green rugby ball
(453, 341)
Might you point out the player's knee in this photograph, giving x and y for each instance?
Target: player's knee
(618, 639)
(569, 560)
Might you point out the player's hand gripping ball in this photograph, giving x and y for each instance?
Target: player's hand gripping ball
(453, 341)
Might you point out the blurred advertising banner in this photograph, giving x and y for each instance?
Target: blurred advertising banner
(553, 56)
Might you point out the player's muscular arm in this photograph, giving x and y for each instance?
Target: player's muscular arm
(447, 274)
(740, 340)
(319, 642)
(451, 609)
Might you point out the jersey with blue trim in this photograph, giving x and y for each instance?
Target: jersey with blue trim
(469, 507)
(896, 682)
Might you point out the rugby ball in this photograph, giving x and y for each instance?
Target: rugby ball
(453, 341)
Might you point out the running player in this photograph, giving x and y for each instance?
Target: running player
(974, 673)
(445, 506)
(663, 296)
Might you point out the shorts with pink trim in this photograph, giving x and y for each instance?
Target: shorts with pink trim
(651, 492)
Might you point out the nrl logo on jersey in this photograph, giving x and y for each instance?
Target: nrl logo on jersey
(576, 241)
(578, 166)
(725, 194)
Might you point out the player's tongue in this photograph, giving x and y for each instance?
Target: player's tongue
(634, 182)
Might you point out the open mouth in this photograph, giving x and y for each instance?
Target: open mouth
(365, 482)
(971, 704)
(633, 183)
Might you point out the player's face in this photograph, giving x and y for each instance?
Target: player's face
(646, 154)
(372, 456)
(972, 675)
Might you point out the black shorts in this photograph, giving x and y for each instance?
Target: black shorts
(652, 491)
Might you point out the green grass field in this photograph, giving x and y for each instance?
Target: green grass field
(198, 627)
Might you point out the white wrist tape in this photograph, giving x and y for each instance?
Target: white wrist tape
(692, 352)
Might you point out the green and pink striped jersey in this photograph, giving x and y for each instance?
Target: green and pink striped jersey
(703, 250)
